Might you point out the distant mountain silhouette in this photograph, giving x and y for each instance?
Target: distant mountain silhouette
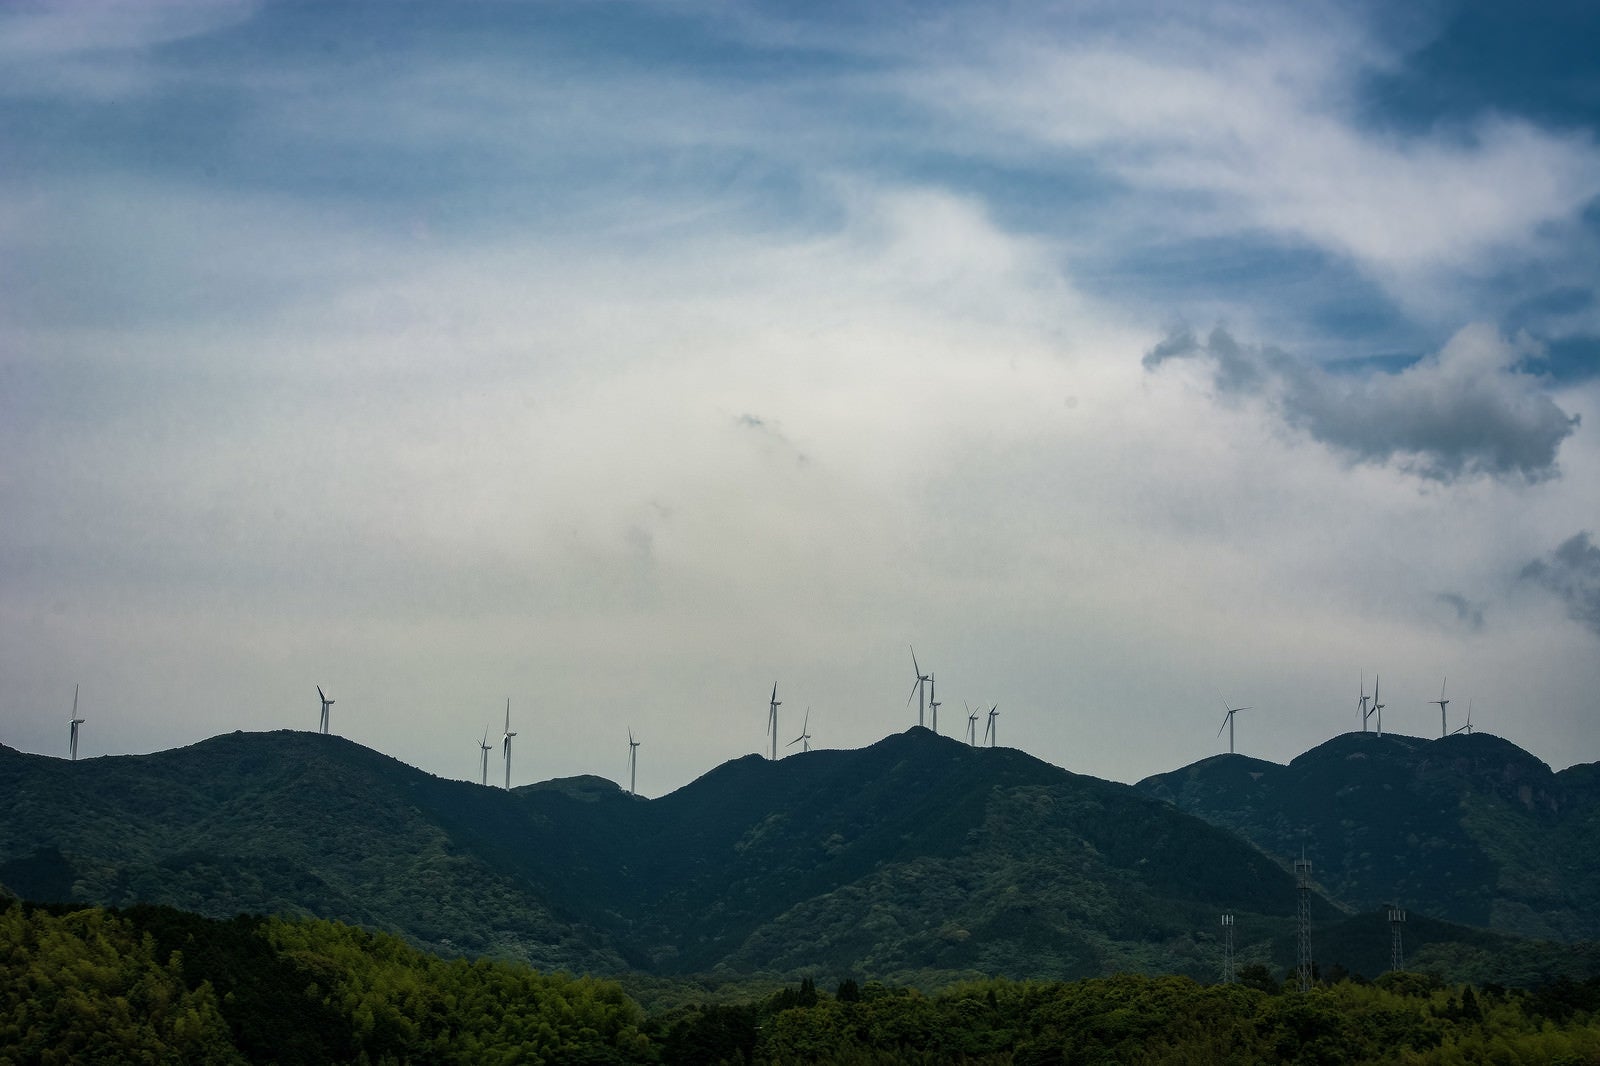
(915, 859)
(1468, 828)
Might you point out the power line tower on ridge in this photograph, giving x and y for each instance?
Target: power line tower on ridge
(1302, 871)
(1227, 949)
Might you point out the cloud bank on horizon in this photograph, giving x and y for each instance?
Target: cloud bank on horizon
(623, 360)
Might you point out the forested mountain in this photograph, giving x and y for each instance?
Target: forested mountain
(1469, 828)
(917, 859)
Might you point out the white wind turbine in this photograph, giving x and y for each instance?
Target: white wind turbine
(484, 748)
(772, 719)
(1362, 702)
(916, 686)
(633, 764)
(991, 732)
(72, 742)
(326, 703)
(1467, 729)
(1444, 727)
(1227, 722)
(933, 706)
(972, 724)
(804, 739)
(506, 742)
(1377, 708)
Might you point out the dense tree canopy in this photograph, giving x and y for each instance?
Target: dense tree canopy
(162, 986)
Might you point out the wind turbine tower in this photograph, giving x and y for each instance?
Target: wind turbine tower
(804, 739)
(1467, 728)
(484, 748)
(933, 705)
(506, 743)
(1227, 949)
(72, 741)
(916, 686)
(633, 763)
(326, 703)
(1397, 922)
(1362, 703)
(991, 732)
(1303, 966)
(772, 719)
(1444, 728)
(1227, 722)
(1377, 708)
(972, 726)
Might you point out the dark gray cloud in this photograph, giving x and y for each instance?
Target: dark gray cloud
(1572, 572)
(1469, 614)
(1469, 410)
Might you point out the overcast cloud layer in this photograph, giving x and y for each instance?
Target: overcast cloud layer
(624, 360)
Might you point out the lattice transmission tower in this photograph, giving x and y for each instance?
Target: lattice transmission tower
(1302, 872)
(1397, 922)
(1227, 949)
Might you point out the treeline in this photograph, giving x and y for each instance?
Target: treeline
(156, 985)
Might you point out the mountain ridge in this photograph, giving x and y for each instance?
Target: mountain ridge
(917, 858)
(1470, 827)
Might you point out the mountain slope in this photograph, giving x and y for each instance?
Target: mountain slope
(917, 854)
(1469, 828)
(915, 859)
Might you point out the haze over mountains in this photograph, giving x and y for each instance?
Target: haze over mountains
(917, 858)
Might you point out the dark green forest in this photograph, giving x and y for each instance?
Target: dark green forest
(158, 985)
(917, 860)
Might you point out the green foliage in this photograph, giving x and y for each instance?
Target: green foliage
(86, 987)
(95, 986)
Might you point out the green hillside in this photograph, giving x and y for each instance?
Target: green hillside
(1469, 828)
(153, 984)
(917, 859)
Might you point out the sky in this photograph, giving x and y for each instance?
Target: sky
(622, 359)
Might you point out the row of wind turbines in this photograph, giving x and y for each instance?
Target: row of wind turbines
(1370, 707)
(923, 690)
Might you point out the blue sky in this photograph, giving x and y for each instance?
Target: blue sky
(621, 358)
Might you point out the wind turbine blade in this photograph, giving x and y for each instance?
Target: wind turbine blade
(914, 665)
(74, 701)
(1224, 724)
(320, 696)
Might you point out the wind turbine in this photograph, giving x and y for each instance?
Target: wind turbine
(484, 749)
(633, 763)
(804, 739)
(1444, 728)
(1362, 702)
(990, 732)
(916, 686)
(1377, 708)
(972, 724)
(772, 719)
(72, 744)
(326, 703)
(933, 705)
(1467, 729)
(506, 743)
(1227, 722)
